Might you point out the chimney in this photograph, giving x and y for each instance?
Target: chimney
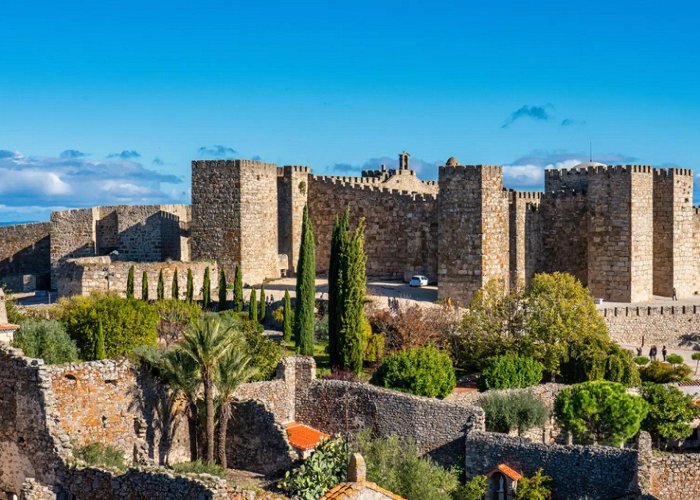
(357, 469)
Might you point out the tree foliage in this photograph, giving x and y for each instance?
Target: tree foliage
(474, 489)
(265, 353)
(288, 317)
(674, 359)
(47, 340)
(303, 328)
(175, 289)
(424, 371)
(223, 290)
(144, 286)
(326, 467)
(507, 411)
(510, 371)
(599, 412)
(339, 241)
(100, 352)
(190, 286)
(598, 359)
(670, 412)
(537, 487)
(174, 317)
(238, 301)
(663, 373)
(353, 265)
(253, 306)
(263, 305)
(206, 288)
(160, 290)
(130, 283)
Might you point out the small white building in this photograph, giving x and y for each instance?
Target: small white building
(7, 330)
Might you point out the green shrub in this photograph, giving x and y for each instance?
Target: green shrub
(47, 340)
(599, 412)
(510, 371)
(15, 314)
(598, 359)
(424, 371)
(100, 455)
(674, 359)
(265, 353)
(670, 412)
(326, 467)
(663, 373)
(321, 329)
(474, 489)
(126, 323)
(199, 467)
(520, 410)
(641, 360)
(537, 487)
(174, 316)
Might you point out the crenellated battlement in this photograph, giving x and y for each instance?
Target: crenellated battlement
(531, 196)
(457, 170)
(371, 187)
(668, 172)
(613, 312)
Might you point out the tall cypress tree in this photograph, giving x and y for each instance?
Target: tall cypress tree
(352, 322)
(253, 307)
(144, 286)
(130, 283)
(206, 289)
(263, 305)
(222, 290)
(305, 290)
(160, 292)
(238, 301)
(190, 286)
(287, 317)
(100, 343)
(339, 242)
(176, 287)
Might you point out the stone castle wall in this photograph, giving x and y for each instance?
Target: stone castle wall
(292, 195)
(675, 475)
(525, 233)
(24, 250)
(400, 235)
(667, 325)
(88, 274)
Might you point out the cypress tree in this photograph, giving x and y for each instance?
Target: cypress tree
(160, 292)
(339, 240)
(263, 305)
(130, 283)
(144, 286)
(305, 290)
(222, 290)
(100, 343)
(352, 322)
(287, 317)
(238, 301)
(206, 289)
(176, 287)
(253, 307)
(190, 286)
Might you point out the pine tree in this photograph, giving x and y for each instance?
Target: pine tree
(176, 287)
(287, 317)
(253, 307)
(190, 286)
(263, 305)
(206, 289)
(352, 328)
(144, 286)
(100, 343)
(238, 301)
(222, 290)
(305, 290)
(339, 241)
(160, 292)
(130, 283)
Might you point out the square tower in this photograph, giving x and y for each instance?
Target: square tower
(472, 230)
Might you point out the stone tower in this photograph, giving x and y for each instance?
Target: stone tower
(472, 230)
(292, 194)
(234, 216)
(404, 158)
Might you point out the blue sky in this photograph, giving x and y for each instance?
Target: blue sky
(108, 102)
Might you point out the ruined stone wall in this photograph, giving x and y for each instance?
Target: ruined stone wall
(667, 325)
(675, 475)
(400, 235)
(473, 230)
(576, 471)
(620, 242)
(292, 195)
(525, 236)
(674, 252)
(87, 275)
(564, 219)
(276, 395)
(24, 250)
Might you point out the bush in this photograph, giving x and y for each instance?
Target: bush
(510, 371)
(641, 360)
(670, 412)
(663, 373)
(599, 412)
(326, 467)
(321, 329)
(265, 353)
(474, 489)
(424, 371)
(537, 487)
(174, 316)
(674, 359)
(598, 359)
(127, 323)
(100, 455)
(515, 410)
(47, 340)
(199, 467)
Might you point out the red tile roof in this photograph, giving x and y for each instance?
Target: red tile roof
(9, 327)
(350, 490)
(304, 437)
(509, 472)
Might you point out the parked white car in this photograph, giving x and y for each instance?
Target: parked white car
(418, 280)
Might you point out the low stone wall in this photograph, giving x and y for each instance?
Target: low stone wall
(86, 275)
(576, 471)
(437, 426)
(275, 394)
(675, 475)
(25, 250)
(669, 325)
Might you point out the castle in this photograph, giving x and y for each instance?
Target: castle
(628, 232)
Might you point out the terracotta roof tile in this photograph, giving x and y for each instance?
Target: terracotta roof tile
(509, 472)
(350, 490)
(304, 437)
(9, 327)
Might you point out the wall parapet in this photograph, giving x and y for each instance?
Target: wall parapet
(372, 186)
(613, 312)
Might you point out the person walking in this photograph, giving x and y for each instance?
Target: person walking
(663, 352)
(675, 297)
(652, 353)
(639, 351)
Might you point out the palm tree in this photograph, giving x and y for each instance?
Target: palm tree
(207, 342)
(234, 370)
